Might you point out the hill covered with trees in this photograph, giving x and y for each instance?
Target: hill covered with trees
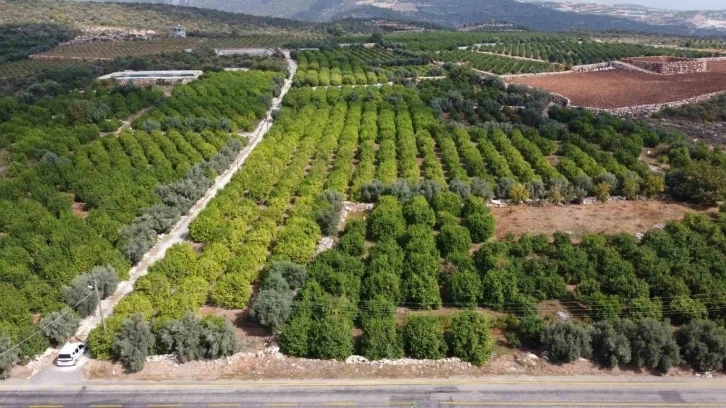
(156, 17)
(456, 13)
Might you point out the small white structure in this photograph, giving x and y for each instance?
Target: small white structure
(177, 32)
(152, 77)
(255, 52)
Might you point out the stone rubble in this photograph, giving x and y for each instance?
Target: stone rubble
(326, 243)
(404, 361)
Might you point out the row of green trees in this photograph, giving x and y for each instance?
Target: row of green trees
(83, 196)
(223, 101)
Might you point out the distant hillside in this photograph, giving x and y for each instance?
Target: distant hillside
(452, 13)
(156, 17)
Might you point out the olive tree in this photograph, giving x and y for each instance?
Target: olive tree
(9, 355)
(218, 338)
(133, 343)
(565, 342)
(58, 327)
(652, 344)
(610, 346)
(182, 337)
(703, 345)
(271, 308)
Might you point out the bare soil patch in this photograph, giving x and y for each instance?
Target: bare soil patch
(617, 89)
(79, 209)
(717, 66)
(611, 217)
(252, 336)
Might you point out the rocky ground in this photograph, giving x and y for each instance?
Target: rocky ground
(270, 364)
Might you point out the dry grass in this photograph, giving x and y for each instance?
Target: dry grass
(611, 217)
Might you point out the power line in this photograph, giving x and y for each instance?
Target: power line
(40, 330)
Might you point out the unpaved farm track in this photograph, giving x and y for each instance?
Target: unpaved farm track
(618, 89)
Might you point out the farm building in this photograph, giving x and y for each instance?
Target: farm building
(256, 52)
(177, 32)
(152, 77)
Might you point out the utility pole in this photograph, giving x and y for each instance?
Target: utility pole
(98, 298)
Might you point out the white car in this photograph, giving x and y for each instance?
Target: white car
(70, 354)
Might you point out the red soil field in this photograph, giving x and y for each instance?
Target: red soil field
(617, 89)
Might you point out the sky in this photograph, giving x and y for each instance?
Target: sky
(667, 4)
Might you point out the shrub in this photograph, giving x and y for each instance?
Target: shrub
(481, 226)
(218, 338)
(9, 355)
(465, 288)
(232, 291)
(428, 189)
(381, 338)
(328, 205)
(371, 192)
(470, 337)
(133, 343)
(697, 182)
(654, 185)
(460, 188)
(271, 308)
(504, 185)
(448, 202)
(418, 211)
(631, 185)
(481, 188)
(80, 296)
(399, 189)
(453, 239)
(331, 338)
(386, 220)
(703, 345)
(293, 273)
(58, 327)
(353, 241)
(182, 337)
(652, 344)
(519, 193)
(602, 191)
(423, 337)
(685, 309)
(610, 346)
(294, 336)
(565, 342)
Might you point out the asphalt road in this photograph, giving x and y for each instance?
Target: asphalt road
(393, 393)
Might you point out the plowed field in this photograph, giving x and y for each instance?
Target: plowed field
(617, 89)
